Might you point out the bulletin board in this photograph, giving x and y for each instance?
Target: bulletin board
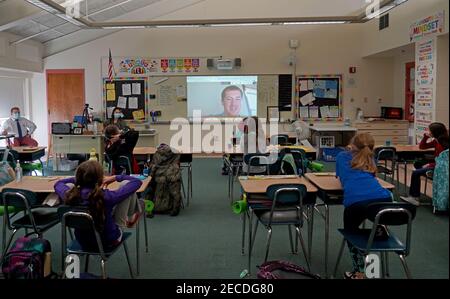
(130, 94)
(319, 97)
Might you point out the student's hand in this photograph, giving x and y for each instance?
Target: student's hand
(108, 180)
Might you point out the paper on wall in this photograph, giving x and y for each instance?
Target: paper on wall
(109, 111)
(334, 111)
(304, 113)
(307, 99)
(110, 95)
(122, 102)
(181, 91)
(138, 115)
(324, 111)
(314, 111)
(137, 88)
(110, 86)
(133, 103)
(126, 89)
(310, 84)
(303, 85)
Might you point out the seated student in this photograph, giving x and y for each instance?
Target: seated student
(21, 127)
(117, 118)
(356, 170)
(253, 141)
(121, 144)
(109, 209)
(436, 137)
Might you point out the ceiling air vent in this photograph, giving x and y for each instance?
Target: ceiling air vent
(384, 21)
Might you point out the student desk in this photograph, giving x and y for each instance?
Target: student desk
(234, 161)
(331, 193)
(407, 154)
(255, 189)
(46, 185)
(185, 162)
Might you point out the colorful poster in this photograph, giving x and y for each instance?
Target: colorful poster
(431, 25)
(425, 74)
(180, 65)
(172, 65)
(138, 115)
(196, 64)
(188, 65)
(424, 98)
(425, 51)
(164, 65)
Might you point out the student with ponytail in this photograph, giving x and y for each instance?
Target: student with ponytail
(356, 170)
(109, 209)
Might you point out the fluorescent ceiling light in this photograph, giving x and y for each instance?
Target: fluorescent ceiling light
(315, 23)
(240, 24)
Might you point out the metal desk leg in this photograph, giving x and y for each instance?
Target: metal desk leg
(406, 174)
(189, 183)
(310, 230)
(4, 234)
(250, 242)
(327, 236)
(137, 250)
(244, 217)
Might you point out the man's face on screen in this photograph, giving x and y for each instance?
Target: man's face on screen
(232, 103)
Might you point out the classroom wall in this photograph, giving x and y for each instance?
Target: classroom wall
(264, 50)
(26, 56)
(401, 18)
(400, 60)
(442, 95)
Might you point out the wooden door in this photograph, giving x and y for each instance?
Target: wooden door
(410, 91)
(65, 96)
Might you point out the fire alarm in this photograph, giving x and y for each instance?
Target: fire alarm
(352, 70)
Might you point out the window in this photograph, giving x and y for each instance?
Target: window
(11, 94)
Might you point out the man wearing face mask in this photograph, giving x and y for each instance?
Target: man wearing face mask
(20, 127)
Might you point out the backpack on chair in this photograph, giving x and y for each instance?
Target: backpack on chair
(28, 259)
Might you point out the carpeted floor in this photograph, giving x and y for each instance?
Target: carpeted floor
(204, 241)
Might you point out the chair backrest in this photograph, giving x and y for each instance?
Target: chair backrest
(299, 156)
(391, 214)
(13, 156)
(280, 139)
(286, 194)
(257, 160)
(79, 218)
(21, 200)
(385, 153)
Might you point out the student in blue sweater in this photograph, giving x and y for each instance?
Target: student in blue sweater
(110, 209)
(356, 170)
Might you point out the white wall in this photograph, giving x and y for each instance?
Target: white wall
(400, 20)
(264, 50)
(26, 56)
(399, 69)
(442, 96)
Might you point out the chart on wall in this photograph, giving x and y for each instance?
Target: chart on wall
(128, 94)
(319, 97)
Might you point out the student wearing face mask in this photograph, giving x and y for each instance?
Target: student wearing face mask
(117, 118)
(20, 127)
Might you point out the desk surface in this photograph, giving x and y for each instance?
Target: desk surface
(28, 149)
(329, 181)
(260, 184)
(408, 148)
(46, 184)
(334, 129)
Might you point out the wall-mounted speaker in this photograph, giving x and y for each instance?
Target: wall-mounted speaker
(210, 63)
(238, 62)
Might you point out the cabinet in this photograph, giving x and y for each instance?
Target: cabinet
(395, 131)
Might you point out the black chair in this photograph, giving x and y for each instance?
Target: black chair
(121, 164)
(299, 157)
(82, 220)
(280, 139)
(383, 155)
(287, 209)
(35, 217)
(257, 160)
(428, 176)
(387, 214)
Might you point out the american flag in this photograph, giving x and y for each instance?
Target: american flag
(111, 71)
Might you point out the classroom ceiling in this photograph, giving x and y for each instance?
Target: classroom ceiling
(31, 20)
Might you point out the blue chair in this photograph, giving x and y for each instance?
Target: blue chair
(79, 219)
(35, 217)
(257, 160)
(382, 156)
(287, 209)
(387, 214)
